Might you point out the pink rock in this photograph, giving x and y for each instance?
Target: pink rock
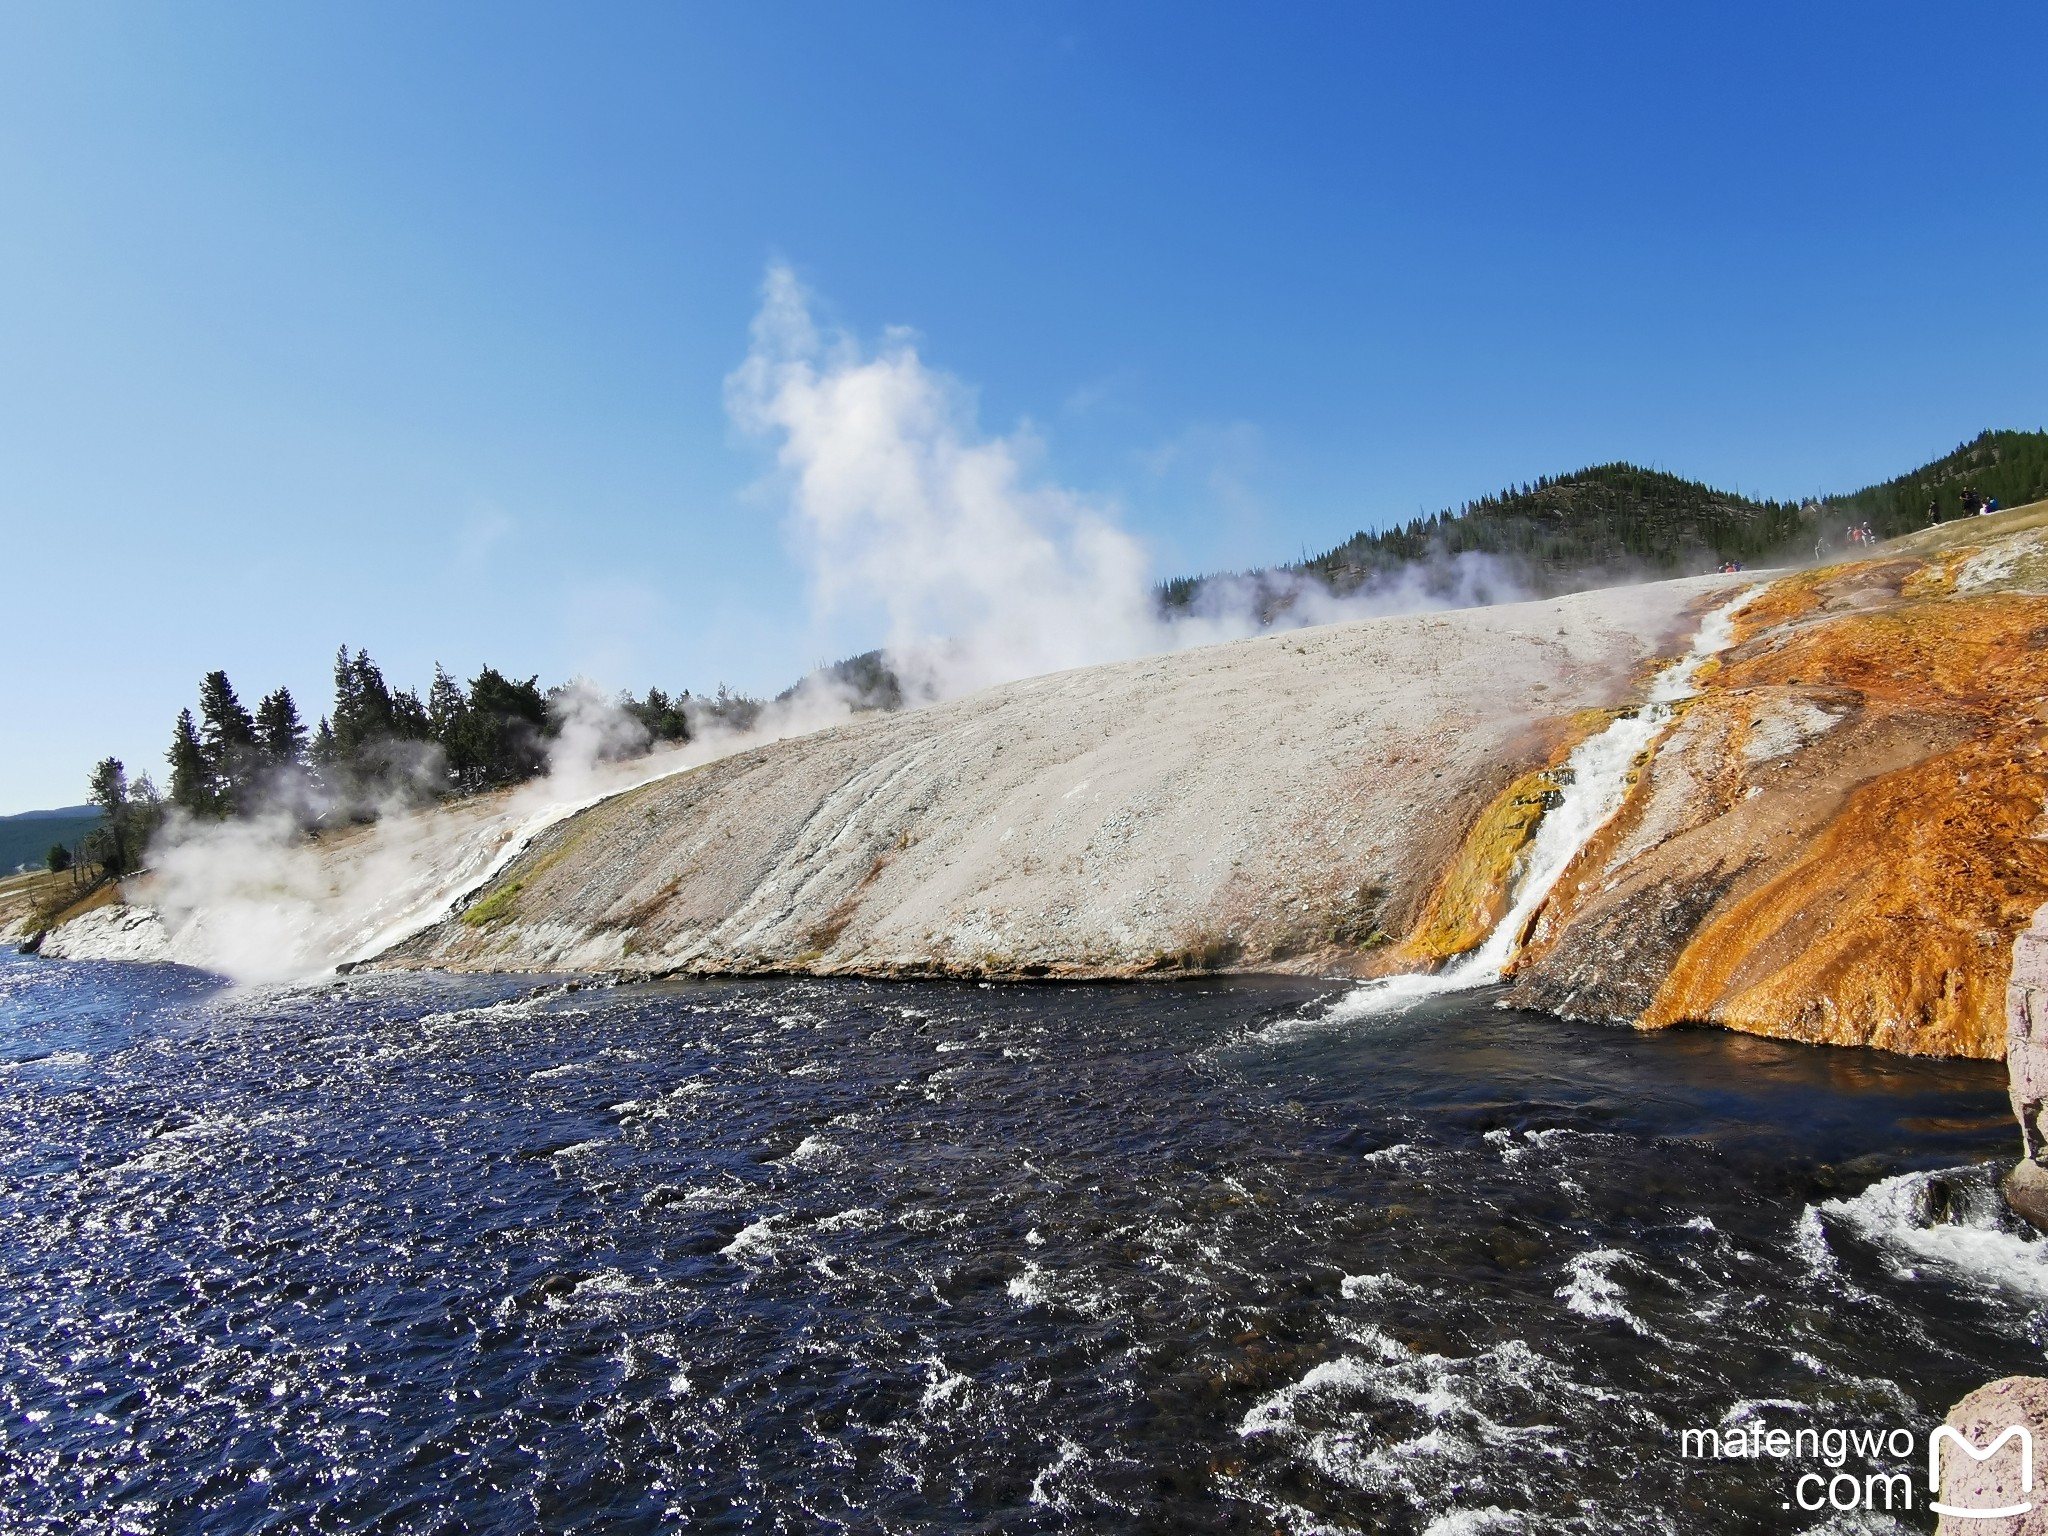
(1999, 1481)
(2026, 1035)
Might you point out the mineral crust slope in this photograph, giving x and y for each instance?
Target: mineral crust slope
(1284, 803)
(1843, 834)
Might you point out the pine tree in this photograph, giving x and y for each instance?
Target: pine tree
(279, 731)
(362, 703)
(666, 719)
(229, 726)
(228, 740)
(446, 705)
(499, 738)
(109, 842)
(409, 717)
(348, 707)
(189, 787)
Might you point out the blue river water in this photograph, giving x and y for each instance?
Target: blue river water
(439, 1254)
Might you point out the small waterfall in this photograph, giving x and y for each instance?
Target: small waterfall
(1595, 782)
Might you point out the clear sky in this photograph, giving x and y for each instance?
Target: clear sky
(410, 325)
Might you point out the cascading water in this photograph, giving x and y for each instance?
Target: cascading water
(1595, 783)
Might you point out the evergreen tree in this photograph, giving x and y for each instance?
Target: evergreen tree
(362, 703)
(229, 728)
(189, 783)
(279, 731)
(446, 705)
(665, 719)
(227, 739)
(348, 707)
(409, 717)
(500, 737)
(112, 843)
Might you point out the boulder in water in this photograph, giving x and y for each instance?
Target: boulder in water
(2026, 1191)
(2003, 1479)
(2026, 1068)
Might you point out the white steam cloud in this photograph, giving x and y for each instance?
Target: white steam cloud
(980, 575)
(980, 572)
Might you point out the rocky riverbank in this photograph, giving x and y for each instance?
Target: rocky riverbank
(1836, 839)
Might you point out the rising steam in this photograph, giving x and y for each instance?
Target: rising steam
(980, 572)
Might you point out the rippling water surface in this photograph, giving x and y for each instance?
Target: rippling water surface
(438, 1254)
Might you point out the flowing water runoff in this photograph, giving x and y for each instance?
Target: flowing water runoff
(430, 1254)
(1595, 779)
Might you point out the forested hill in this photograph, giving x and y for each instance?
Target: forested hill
(2010, 468)
(1620, 521)
(1611, 516)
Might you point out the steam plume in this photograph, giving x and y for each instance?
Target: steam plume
(979, 571)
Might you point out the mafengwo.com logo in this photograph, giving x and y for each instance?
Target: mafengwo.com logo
(1977, 1508)
(1850, 1470)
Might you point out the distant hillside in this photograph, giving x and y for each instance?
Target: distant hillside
(1619, 521)
(26, 839)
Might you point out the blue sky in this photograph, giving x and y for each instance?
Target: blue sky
(409, 325)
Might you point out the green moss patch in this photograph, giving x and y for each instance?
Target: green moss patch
(500, 906)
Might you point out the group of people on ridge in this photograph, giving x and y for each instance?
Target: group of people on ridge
(1974, 505)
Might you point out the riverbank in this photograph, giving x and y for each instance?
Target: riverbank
(1835, 838)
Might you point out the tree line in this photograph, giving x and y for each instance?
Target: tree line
(2010, 468)
(1564, 532)
(380, 743)
(376, 746)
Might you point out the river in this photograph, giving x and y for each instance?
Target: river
(428, 1253)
